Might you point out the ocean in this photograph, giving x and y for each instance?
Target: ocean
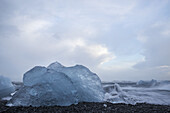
(152, 92)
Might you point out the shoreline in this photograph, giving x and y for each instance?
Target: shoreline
(92, 107)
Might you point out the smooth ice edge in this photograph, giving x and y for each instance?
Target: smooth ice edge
(87, 84)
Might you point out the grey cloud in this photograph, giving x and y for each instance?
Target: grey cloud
(40, 32)
(156, 46)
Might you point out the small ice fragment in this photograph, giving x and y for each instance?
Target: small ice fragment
(6, 98)
(9, 104)
(105, 105)
(13, 93)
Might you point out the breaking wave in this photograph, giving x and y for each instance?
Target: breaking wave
(153, 92)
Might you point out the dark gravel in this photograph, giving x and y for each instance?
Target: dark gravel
(88, 107)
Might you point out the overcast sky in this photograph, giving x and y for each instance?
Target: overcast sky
(117, 39)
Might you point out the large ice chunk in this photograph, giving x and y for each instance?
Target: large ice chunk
(45, 87)
(58, 85)
(6, 87)
(87, 84)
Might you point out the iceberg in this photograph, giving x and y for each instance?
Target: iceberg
(6, 87)
(58, 85)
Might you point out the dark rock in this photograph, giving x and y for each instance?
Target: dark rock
(85, 107)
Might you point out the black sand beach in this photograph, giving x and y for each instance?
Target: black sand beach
(89, 107)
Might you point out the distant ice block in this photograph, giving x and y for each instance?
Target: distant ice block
(58, 85)
(151, 83)
(6, 87)
(87, 84)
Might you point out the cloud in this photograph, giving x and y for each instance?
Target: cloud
(39, 32)
(156, 53)
(108, 36)
(40, 42)
(33, 48)
(156, 45)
